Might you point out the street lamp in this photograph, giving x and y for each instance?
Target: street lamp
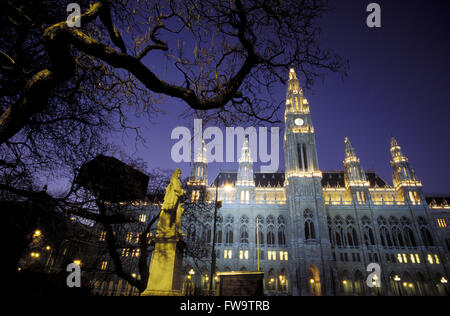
(444, 282)
(217, 205)
(397, 284)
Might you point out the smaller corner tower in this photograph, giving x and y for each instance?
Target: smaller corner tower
(245, 183)
(404, 177)
(355, 177)
(198, 180)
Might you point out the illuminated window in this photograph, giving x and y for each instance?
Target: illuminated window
(102, 236)
(129, 237)
(413, 259)
(400, 258)
(228, 254)
(441, 222)
(135, 252)
(417, 258)
(243, 254)
(245, 196)
(284, 255)
(142, 218)
(436, 258)
(195, 195)
(125, 252)
(272, 255)
(411, 197)
(430, 259)
(405, 258)
(104, 265)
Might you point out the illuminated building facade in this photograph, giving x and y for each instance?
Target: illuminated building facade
(315, 232)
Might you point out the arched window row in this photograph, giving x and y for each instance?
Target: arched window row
(270, 235)
(393, 233)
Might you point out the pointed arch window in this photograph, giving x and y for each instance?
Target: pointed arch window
(369, 239)
(270, 236)
(305, 158)
(385, 236)
(244, 234)
(410, 238)
(352, 238)
(219, 234)
(281, 236)
(426, 237)
(398, 237)
(310, 232)
(229, 235)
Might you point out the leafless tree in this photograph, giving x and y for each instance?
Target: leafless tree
(63, 89)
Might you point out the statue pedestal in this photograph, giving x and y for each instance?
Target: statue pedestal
(165, 268)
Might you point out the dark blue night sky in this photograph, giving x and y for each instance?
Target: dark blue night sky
(398, 83)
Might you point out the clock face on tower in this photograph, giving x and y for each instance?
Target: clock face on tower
(299, 122)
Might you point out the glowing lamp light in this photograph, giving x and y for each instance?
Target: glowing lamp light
(191, 272)
(228, 187)
(311, 281)
(77, 262)
(444, 280)
(37, 233)
(48, 248)
(397, 278)
(344, 282)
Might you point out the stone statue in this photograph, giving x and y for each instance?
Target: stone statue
(169, 224)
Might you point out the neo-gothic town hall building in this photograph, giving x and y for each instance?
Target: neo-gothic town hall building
(318, 231)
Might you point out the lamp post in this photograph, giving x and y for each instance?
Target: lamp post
(444, 282)
(213, 248)
(397, 283)
(191, 282)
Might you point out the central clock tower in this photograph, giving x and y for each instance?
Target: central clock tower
(299, 140)
(312, 258)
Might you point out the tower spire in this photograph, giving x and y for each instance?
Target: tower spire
(245, 183)
(355, 177)
(245, 152)
(199, 174)
(404, 177)
(349, 150)
(354, 174)
(295, 102)
(201, 155)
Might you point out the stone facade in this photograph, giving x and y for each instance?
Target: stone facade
(318, 231)
(311, 232)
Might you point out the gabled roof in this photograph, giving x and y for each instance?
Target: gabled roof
(276, 179)
(438, 199)
(337, 179)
